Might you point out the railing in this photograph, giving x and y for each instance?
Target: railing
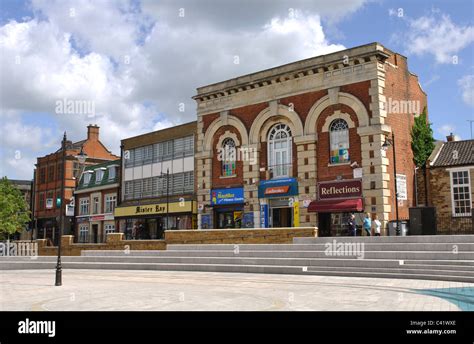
(281, 170)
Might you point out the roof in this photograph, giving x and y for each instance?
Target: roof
(105, 179)
(455, 153)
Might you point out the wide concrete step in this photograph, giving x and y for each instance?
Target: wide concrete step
(391, 239)
(271, 269)
(427, 255)
(368, 246)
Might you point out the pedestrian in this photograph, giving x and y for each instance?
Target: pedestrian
(377, 225)
(352, 225)
(367, 224)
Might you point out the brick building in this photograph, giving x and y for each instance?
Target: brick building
(450, 176)
(51, 172)
(95, 199)
(151, 199)
(307, 138)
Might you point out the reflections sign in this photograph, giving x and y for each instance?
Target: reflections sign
(227, 196)
(340, 189)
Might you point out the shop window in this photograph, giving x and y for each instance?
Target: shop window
(280, 150)
(228, 158)
(461, 193)
(339, 141)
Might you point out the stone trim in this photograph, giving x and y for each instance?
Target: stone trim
(217, 123)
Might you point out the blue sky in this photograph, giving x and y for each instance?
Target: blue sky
(139, 62)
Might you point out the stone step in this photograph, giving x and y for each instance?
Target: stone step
(426, 255)
(272, 269)
(449, 247)
(391, 239)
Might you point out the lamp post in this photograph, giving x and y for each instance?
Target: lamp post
(385, 146)
(58, 281)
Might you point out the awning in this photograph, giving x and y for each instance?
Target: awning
(336, 206)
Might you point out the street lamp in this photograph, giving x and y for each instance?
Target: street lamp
(81, 157)
(385, 146)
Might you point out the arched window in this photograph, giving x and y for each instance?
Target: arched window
(279, 150)
(339, 141)
(228, 157)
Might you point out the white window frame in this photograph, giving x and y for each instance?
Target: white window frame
(108, 228)
(110, 198)
(342, 137)
(453, 207)
(84, 202)
(283, 169)
(87, 177)
(83, 228)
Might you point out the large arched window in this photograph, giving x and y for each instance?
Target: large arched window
(339, 141)
(279, 150)
(228, 157)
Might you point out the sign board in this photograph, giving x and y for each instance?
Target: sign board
(296, 214)
(227, 196)
(69, 210)
(155, 209)
(357, 172)
(402, 187)
(340, 189)
(263, 215)
(247, 221)
(49, 203)
(278, 188)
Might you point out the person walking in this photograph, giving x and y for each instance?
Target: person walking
(367, 224)
(377, 225)
(352, 225)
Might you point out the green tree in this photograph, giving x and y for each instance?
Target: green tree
(422, 145)
(14, 213)
(422, 141)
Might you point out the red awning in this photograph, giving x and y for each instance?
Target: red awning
(336, 206)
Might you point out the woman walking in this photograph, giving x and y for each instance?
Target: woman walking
(377, 225)
(367, 224)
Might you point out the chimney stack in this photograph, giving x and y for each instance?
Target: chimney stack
(93, 132)
(451, 137)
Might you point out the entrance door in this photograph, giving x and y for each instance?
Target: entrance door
(282, 217)
(95, 233)
(324, 224)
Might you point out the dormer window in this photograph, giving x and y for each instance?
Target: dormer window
(87, 177)
(112, 171)
(99, 174)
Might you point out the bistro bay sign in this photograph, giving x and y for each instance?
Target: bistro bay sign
(340, 189)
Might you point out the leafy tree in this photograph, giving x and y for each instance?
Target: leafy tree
(422, 145)
(14, 213)
(422, 141)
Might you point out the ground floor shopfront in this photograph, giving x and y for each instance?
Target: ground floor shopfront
(94, 228)
(151, 220)
(48, 228)
(336, 202)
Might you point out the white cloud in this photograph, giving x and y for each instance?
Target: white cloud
(467, 88)
(437, 35)
(139, 65)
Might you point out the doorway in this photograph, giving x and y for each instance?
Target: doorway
(95, 233)
(324, 224)
(282, 217)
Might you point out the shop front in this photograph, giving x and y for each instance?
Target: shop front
(228, 205)
(337, 200)
(151, 220)
(279, 206)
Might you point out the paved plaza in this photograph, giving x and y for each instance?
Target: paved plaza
(105, 290)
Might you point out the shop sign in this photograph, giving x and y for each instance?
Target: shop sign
(152, 209)
(69, 210)
(278, 187)
(248, 220)
(49, 203)
(340, 189)
(296, 214)
(263, 215)
(227, 196)
(402, 187)
(97, 218)
(273, 190)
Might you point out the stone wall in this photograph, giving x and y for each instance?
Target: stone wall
(239, 236)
